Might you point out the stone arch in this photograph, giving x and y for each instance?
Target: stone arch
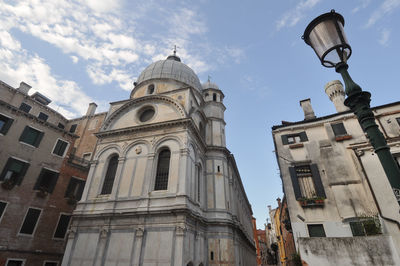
(159, 143)
(115, 147)
(190, 264)
(150, 98)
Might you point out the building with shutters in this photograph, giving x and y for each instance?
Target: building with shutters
(163, 189)
(336, 188)
(40, 178)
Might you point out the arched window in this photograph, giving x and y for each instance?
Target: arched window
(162, 170)
(214, 97)
(198, 175)
(150, 89)
(110, 175)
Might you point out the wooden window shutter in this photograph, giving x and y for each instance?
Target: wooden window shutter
(319, 187)
(303, 136)
(22, 173)
(295, 183)
(38, 139)
(24, 133)
(285, 139)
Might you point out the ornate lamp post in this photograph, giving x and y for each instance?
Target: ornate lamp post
(325, 34)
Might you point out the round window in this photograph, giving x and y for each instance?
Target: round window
(146, 114)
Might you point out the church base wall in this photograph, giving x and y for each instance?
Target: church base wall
(168, 239)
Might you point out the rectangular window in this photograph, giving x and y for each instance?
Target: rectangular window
(25, 107)
(14, 171)
(30, 221)
(398, 120)
(15, 262)
(46, 181)
(31, 136)
(3, 206)
(62, 226)
(5, 124)
(73, 128)
(306, 181)
(339, 129)
(60, 148)
(43, 116)
(75, 188)
(294, 138)
(316, 230)
(61, 126)
(366, 227)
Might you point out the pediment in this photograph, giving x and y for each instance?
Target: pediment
(133, 113)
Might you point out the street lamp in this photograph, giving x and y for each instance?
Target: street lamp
(325, 34)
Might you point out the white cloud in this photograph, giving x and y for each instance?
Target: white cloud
(385, 35)
(75, 59)
(103, 5)
(112, 47)
(293, 16)
(387, 7)
(362, 5)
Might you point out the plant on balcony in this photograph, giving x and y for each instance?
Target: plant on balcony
(9, 183)
(314, 201)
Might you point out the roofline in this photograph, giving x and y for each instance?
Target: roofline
(329, 116)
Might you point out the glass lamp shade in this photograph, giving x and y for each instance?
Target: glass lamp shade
(325, 34)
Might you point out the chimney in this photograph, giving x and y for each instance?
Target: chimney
(334, 90)
(269, 208)
(24, 88)
(91, 109)
(307, 108)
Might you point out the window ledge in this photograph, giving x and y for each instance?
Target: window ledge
(295, 146)
(344, 137)
(311, 202)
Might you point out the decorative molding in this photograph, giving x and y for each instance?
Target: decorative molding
(152, 98)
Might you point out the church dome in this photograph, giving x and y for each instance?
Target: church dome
(171, 68)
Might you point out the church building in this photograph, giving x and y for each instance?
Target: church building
(162, 188)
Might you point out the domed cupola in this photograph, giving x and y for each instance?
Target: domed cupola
(211, 92)
(170, 68)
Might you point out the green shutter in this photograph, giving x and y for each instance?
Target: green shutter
(38, 139)
(303, 136)
(53, 181)
(319, 187)
(24, 134)
(295, 183)
(285, 139)
(22, 173)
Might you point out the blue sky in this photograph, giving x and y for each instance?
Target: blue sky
(79, 52)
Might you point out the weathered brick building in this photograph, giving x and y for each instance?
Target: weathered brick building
(41, 177)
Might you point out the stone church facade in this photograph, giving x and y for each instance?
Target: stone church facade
(163, 189)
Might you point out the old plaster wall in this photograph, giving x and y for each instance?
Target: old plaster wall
(357, 251)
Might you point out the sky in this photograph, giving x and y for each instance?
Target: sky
(77, 52)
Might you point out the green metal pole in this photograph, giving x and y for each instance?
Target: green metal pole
(359, 102)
